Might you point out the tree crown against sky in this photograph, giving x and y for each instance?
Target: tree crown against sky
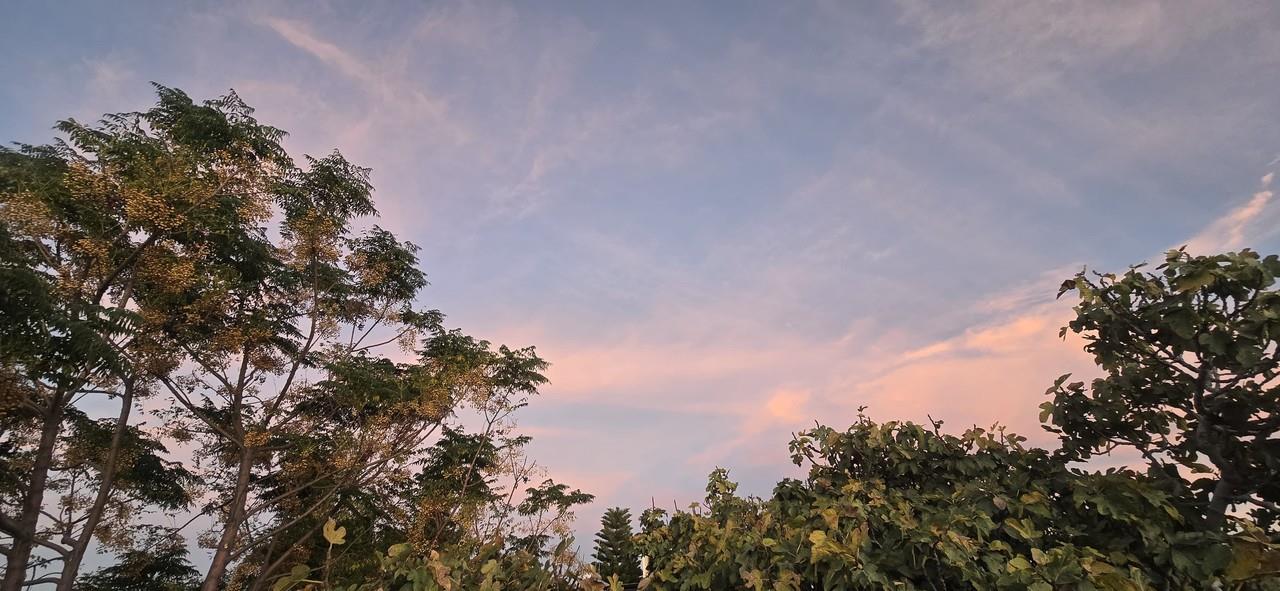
(734, 215)
(103, 476)
(615, 549)
(177, 260)
(1189, 353)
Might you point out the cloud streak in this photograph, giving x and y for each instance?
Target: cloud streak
(1249, 222)
(720, 225)
(332, 55)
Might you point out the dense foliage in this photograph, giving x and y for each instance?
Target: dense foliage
(163, 566)
(179, 256)
(338, 436)
(1189, 359)
(616, 554)
(899, 505)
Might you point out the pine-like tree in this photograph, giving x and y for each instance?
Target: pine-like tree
(615, 549)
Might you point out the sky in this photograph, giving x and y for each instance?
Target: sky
(723, 221)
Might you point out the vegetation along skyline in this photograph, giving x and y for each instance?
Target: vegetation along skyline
(477, 294)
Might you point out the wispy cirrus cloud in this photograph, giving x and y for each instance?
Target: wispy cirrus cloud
(945, 170)
(992, 371)
(1245, 224)
(1026, 49)
(299, 36)
(718, 225)
(387, 84)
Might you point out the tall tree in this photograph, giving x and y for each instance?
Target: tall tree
(287, 394)
(93, 228)
(469, 492)
(616, 552)
(296, 390)
(1191, 361)
(180, 253)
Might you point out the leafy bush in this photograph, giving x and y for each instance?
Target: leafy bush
(899, 505)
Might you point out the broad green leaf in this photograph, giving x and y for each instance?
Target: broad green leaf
(1018, 563)
(1194, 281)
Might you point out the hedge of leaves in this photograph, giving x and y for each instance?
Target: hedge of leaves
(903, 506)
(488, 567)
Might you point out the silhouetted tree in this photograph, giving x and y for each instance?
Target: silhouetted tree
(615, 549)
(1191, 365)
(161, 565)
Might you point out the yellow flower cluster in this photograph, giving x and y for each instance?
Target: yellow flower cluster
(170, 271)
(266, 362)
(149, 211)
(94, 260)
(256, 438)
(13, 391)
(255, 208)
(314, 237)
(369, 274)
(26, 214)
(86, 184)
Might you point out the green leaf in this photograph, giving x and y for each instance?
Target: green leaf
(1216, 341)
(1193, 281)
(1023, 528)
(1046, 411)
(1066, 286)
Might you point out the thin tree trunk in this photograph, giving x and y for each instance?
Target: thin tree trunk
(71, 566)
(231, 529)
(19, 555)
(1216, 514)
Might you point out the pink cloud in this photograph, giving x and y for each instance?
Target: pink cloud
(590, 371)
(302, 38)
(1249, 221)
(788, 405)
(992, 374)
(602, 483)
(785, 409)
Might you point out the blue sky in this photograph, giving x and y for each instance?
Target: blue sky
(722, 221)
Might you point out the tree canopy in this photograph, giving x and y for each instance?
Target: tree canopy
(180, 256)
(232, 306)
(1188, 357)
(615, 553)
(1190, 361)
